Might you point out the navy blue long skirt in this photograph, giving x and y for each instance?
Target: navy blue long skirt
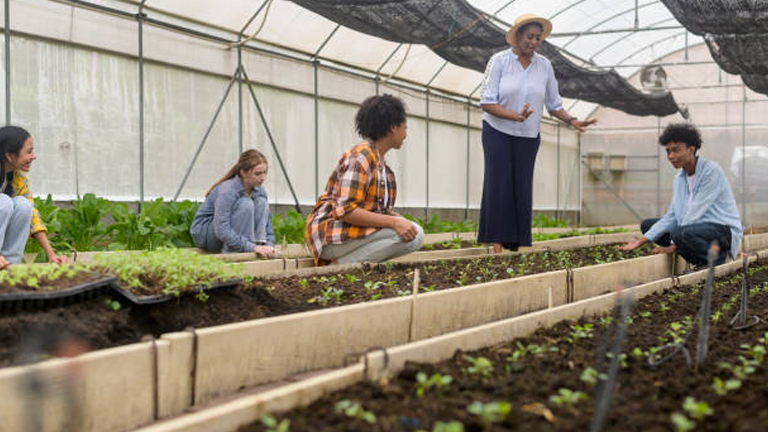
(507, 206)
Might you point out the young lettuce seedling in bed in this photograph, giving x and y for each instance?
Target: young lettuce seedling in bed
(480, 365)
(271, 424)
(492, 412)
(453, 426)
(567, 398)
(355, 410)
(585, 331)
(723, 387)
(437, 381)
(695, 409)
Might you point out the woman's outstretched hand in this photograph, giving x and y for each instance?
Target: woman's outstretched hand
(582, 125)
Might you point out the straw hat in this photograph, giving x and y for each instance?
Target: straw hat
(525, 19)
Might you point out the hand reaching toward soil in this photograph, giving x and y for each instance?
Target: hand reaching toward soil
(3, 263)
(57, 259)
(634, 244)
(664, 249)
(266, 251)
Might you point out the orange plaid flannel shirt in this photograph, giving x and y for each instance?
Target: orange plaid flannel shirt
(354, 183)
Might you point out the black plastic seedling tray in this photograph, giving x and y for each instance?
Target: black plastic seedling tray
(160, 298)
(47, 299)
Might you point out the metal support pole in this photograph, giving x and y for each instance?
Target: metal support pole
(578, 165)
(239, 98)
(743, 155)
(659, 212)
(271, 139)
(207, 132)
(637, 15)
(317, 132)
(7, 62)
(466, 185)
(686, 45)
(557, 196)
(140, 19)
(426, 120)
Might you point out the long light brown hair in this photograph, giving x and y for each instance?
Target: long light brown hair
(248, 159)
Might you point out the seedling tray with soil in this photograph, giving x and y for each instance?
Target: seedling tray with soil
(546, 382)
(165, 274)
(40, 286)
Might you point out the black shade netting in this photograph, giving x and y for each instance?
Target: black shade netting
(720, 16)
(740, 54)
(758, 83)
(464, 36)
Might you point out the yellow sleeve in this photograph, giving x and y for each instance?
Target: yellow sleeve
(21, 188)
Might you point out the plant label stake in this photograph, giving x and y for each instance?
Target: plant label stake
(706, 308)
(415, 285)
(702, 316)
(739, 321)
(615, 340)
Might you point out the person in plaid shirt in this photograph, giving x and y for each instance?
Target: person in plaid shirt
(18, 216)
(353, 220)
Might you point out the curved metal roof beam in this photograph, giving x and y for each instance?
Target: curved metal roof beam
(563, 10)
(611, 18)
(676, 35)
(610, 45)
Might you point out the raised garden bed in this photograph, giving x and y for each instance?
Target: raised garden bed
(103, 323)
(544, 382)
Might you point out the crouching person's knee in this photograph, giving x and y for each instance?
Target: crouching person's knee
(418, 240)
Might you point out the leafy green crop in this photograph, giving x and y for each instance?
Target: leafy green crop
(167, 270)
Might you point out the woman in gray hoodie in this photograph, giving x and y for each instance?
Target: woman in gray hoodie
(235, 216)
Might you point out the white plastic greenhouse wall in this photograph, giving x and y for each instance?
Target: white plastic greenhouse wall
(75, 86)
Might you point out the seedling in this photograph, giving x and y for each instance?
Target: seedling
(681, 422)
(271, 424)
(695, 409)
(493, 412)
(437, 381)
(355, 410)
(567, 398)
(331, 293)
(585, 331)
(590, 376)
(303, 283)
(480, 365)
(723, 387)
(453, 426)
(351, 278)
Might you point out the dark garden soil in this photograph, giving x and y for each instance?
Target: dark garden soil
(96, 324)
(643, 400)
(451, 245)
(46, 285)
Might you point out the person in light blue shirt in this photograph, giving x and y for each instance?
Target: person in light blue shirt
(518, 84)
(235, 216)
(703, 209)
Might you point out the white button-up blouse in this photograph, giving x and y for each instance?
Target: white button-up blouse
(506, 83)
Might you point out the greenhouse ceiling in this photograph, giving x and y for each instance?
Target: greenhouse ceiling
(601, 35)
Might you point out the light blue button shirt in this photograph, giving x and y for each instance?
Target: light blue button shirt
(712, 201)
(506, 83)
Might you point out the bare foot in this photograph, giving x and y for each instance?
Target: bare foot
(497, 248)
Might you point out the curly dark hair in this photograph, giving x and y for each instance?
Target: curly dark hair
(378, 115)
(681, 132)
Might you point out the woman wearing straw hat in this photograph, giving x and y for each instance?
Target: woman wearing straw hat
(518, 83)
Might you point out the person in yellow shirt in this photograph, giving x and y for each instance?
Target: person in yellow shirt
(18, 216)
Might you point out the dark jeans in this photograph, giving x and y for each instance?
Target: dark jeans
(693, 240)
